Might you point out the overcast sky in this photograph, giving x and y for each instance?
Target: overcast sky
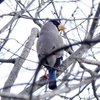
(23, 29)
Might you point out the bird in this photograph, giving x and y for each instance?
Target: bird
(48, 41)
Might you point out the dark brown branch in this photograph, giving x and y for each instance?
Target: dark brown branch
(7, 60)
(87, 43)
(94, 24)
(94, 90)
(79, 92)
(93, 82)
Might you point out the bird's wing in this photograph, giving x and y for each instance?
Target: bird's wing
(49, 39)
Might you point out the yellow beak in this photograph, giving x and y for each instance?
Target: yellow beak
(61, 27)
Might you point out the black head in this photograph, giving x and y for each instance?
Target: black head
(55, 22)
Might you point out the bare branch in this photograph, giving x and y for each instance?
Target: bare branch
(94, 24)
(79, 38)
(66, 63)
(87, 61)
(20, 61)
(8, 60)
(18, 14)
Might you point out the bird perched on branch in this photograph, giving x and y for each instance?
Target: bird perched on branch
(48, 41)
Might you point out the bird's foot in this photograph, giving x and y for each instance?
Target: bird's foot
(58, 69)
(45, 76)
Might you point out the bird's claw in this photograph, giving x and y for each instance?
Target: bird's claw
(45, 76)
(58, 68)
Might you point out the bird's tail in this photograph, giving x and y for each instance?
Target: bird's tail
(52, 74)
(52, 79)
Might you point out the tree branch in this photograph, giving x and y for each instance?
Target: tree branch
(19, 61)
(8, 60)
(94, 24)
(66, 63)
